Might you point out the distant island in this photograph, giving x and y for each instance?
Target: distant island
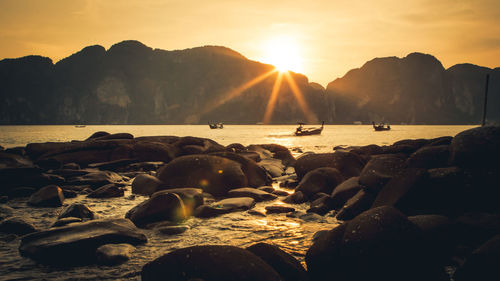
(131, 83)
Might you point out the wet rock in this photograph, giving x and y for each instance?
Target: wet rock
(210, 262)
(254, 193)
(370, 149)
(48, 196)
(283, 263)
(255, 174)
(277, 209)
(69, 193)
(235, 204)
(194, 145)
(5, 212)
(477, 147)
(320, 180)
(17, 226)
(429, 157)
(145, 184)
(9, 160)
(290, 183)
(235, 147)
(349, 164)
(96, 179)
(280, 193)
(172, 229)
(113, 165)
(78, 210)
(474, 229)
(344, 191)
(379, 244)
(297, 197)
(206, 211)
(279, 152)
(268, 189)
(160, 207)
(215, 175)
(23, 176)
(107, 191)
(154, 151)
(144, 166)
(437, 233)
(191, 197)
(71, 166)
(321, 205)
(114, 254)
(76, 244)
(404, 191)
(273, 166)
(256, 213)
(482, 264)
(65, 221)
(379, 170)
(356, 205)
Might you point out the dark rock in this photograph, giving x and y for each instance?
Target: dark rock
(96, 179)
(404, 191)
(356, 205)
(113, 254)
(23, 176)
(77, 210)
(10, 160)
(283, 263)
(206, 211)
(370, 149)
(345, 191)
(191, 197)
(235, 147)
(379, 244)
(209, 263)
(194, 145)
(65, 221)
(144, 166)
(280, 192)
(379, 170)
(21, 191)
(254, 193)
(277, 209)
(107, 191)
(71, 166)
(268, 189)
(77, 243)
(437, 235)
(69, 193)
(279, 152)
(235, 204)
(97, 135)
(115, 136)
(476, 148)
(273, 167)
(474, 229)
(482, 264)
(114, 165)
(349, 164)
(154, 151)
(48, 196)
(145, 184)
(256, 213)
(321, 205)
(429, 157)
(213, 174)
(440, 141)
(320, 180)
(160, 207)
(255, 174)
(172, 229)
(17, 226)
(295, 198)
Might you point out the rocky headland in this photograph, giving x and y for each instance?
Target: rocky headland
(419, 209)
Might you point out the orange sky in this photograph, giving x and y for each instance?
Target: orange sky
(333, 36)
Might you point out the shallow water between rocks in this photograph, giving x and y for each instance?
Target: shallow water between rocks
(292, 234)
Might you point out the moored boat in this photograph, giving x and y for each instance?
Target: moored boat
(381, 126)
(301, 131)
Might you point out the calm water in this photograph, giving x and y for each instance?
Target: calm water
(332, 135)
(293, 235)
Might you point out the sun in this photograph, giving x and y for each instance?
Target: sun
(284, 53)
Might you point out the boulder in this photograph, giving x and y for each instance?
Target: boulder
(345, 191)
(160, 207)
(16, 225)
(115, 136)
(288, 267)
(404, 191)
(476, 148)
(48, 196)
(209, 263)
(438, 234)
(10, 160)
(19, 192)
(77, 210)
(255, 174)
(215, 175)
(235, 204)
(23, 176)
(482, 264)
(65, 221)
(356, 205)
(320, 180)
(76, 244)
(5, 212)
(429, 157)
(195, 145)
(154, 151)
(370, 149)
(349, 164)
(379, 170)
(297, 197)
(254, 193)
(96, 179)
(279, 152)
(206, 211)
(145, 184)
(321, 205)
(113, 254)
(278, 209)
(172, 229)
(379, 244)
(107, 191)
(273, 166)
(191, 197)
(97, 135)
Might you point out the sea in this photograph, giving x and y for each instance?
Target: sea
(293, 234)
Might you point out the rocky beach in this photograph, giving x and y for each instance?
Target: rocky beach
(417, 209)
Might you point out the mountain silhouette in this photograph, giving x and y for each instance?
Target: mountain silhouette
(131, 83)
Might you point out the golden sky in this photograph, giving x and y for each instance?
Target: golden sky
(330, 36)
